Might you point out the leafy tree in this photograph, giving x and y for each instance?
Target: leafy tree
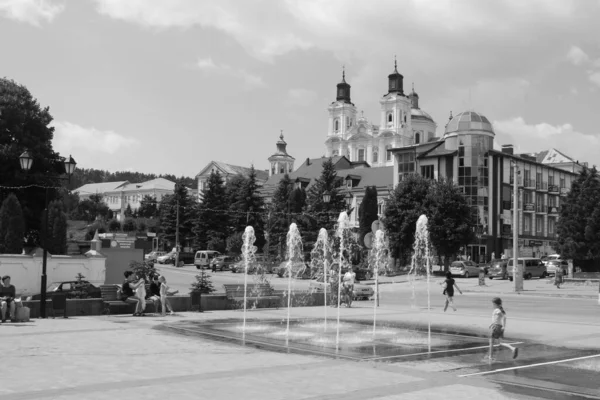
(141, 226)
(148, 207)
(248, 208)
(324, 215)
(25, 125)
(129, 225)
(114, 225)
(578, 226)
(407, 203)
(92, 208)
(128, 211)
(96, 226)
(234, 243)
(211, 224)
(144, 269)
(450, 219)
(12, 226)
(367, 212)
(168, 216)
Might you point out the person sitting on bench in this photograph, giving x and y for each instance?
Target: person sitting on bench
(7, 298)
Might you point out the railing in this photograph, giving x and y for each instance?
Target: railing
(526, 232)
(540, 208)
(530, 183)
(541, 186)
(553, 209)
(553, 189)
(529, 207)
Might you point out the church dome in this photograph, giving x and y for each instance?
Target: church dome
(418, 114)
(469, 121)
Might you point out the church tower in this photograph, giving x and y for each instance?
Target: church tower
(395, 111)
(281, 162)
(342, 112)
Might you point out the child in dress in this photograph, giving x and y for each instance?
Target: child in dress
(163, 295)
(140, 293)
(497, 328)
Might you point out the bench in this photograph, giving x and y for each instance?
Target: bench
(259, 293)
(113, 304)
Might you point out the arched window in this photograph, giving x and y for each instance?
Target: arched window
(390, 117)
(417, 138)
(388, 154)
(336, 125)
(336, 153)
(375, 157)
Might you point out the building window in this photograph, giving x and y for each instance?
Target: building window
(375, 157)
(336, 125)
(539, 224)
(427, 171)
(562, 183)
(527, 224)
(388, 155)
(406, 164)
(390, 117)
(551, 223)
(550, 180)
(335, 153)
(361, 154)
(417, 138)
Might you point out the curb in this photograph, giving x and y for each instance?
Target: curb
(573, 296)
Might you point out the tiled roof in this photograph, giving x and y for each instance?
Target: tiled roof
(379, 176)
(154, 184)
(311, 170)
(102, 187)
(238, 170)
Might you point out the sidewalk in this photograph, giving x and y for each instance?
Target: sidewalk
(101, 357)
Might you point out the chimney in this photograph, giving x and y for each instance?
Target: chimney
(508, 149)
(307, 161)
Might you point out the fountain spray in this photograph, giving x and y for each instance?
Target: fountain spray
(379, 252)
(248, 252)
(342, 227)
(422, 258)
(319, 257)
(294, 254)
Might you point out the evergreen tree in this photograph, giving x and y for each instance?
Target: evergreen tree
(92, 208)
(450, 219)
(12, 226)
(407, 203)
(323, 215)
(168, 216)
(249, 208)
(57, 228)
(279, 219)
(367, 212)
(148, 207)
(578, 224)
(211, 224)
(114, 226)
(128, 211)
(129, 225)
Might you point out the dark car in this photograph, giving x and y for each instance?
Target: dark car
(497, 269)
(184, 258)
(72, 289)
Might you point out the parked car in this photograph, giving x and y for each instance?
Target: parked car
(553, 265)
(72, 289)
(163, 259)
(360, 291)
(533, 267)
(184, 258)
(222, 263)
(153, 255)
(464, 268)
(300, 270)
(497, 269)
(551, 257)
(203, 258)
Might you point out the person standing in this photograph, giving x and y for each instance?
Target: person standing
(497, 328)
(127, 293)
(450, 284)
(348, 288)
(558, 276)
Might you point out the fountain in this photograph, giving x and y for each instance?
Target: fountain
(319, 260)
(421, 259)
(294, 255)
(342, 231)
(248, 253)
(379, 254)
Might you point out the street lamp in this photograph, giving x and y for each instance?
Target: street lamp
(349, 198)
(26, 162)
(326, 196)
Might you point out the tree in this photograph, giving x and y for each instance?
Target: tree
(579, 218)
(129, 225)
(211, 224)
(450, 219)
(202, 284)
(407, 203)
(279, 220)
(92, 208)
(248, 208)
(141, 226)
(128, 212)
(367, 212)
(168, 215)
(234, 243)
(148, 207)
(25, 125)
(114, 225)
(57, 228)
(12, 226)
(323, 215)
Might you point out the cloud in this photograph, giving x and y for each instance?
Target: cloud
(301, 97)
(30, 11)
(543, 136)
(595, 77)
(577, 56)
(208, 66)
(72, 138)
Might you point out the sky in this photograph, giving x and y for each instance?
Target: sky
(166, 86)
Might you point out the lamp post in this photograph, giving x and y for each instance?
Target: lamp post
(26, 162)
(349, 198)
(517, 270)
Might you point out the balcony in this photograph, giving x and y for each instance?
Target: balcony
(519, 181)
(530, 183)
(529, 207)
(541, 209)
(553, 189)
(541, 186)
(553, 210)
(507, 205)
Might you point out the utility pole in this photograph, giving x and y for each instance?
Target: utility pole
(517, 270)
(177, 228)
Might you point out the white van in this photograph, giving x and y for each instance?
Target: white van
(203, 258)
(532, 267)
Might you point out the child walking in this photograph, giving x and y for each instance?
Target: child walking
(163, 296)
(449, 284)
(497, 328)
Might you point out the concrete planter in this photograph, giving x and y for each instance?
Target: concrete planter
(75, 307)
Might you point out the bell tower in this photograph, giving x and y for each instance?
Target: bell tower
(281, 162)
(342, 112)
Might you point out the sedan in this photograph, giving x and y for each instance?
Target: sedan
(464, 268)
(222, 263)
(360, 291)
(72, 289)
(497, 269)
(553, 265)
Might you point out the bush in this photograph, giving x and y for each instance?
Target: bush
(92, 230)
(129, 225)
(12, 226)
(141, 226)
(203, 284)
(114, 225)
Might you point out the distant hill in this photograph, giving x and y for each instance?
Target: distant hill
(84, 176)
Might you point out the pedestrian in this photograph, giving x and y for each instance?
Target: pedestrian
(127, 293)
(140, 292)
(7, 299)
(497, 328)
(449, 284)
(558, 276)
(163, 296)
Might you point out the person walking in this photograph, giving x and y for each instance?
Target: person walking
(449, 284)
(497, 328)
(558, 276)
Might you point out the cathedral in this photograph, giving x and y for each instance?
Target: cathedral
(402, 123)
